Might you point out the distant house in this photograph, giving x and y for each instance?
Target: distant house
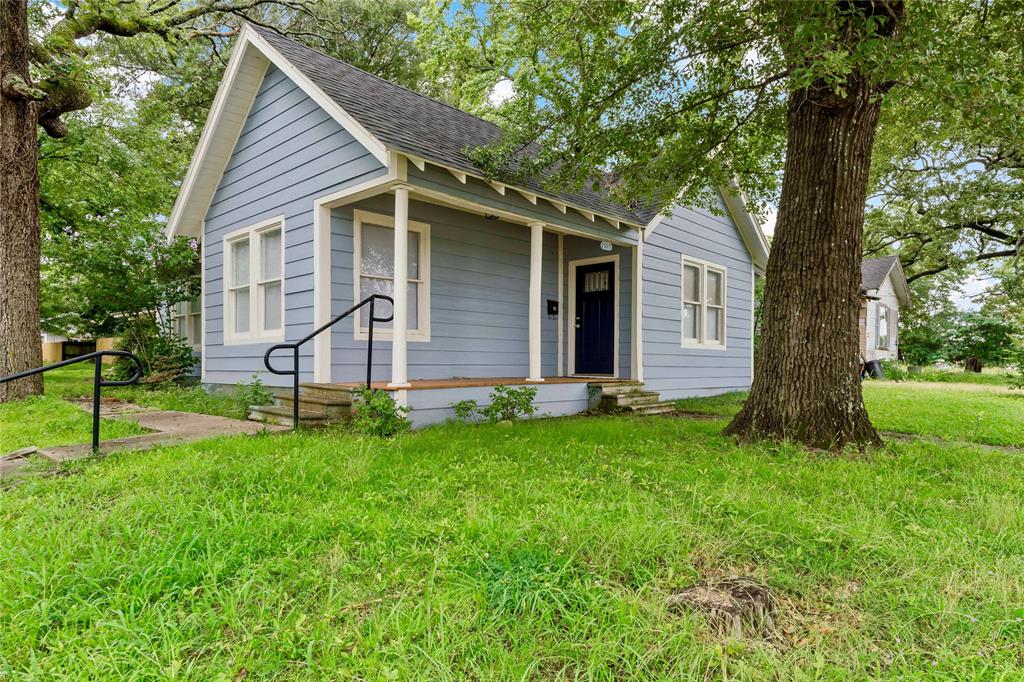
(883, 288)
(311, 180)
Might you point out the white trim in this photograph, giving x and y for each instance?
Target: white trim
(356, 129)
(637, 341)
(561, 206)
(444, 199)
(458, 175)
(573, 265)
(202, 308)
(611, 221)
(529, 196)
(498, 187)
(417, 161)
(222, 101)
(589, 215)
(231, 107)
(534, 308)
(422, 333)
(704, 266)
(753, 319)
(257, 333)
(561, 304)
(322, 303)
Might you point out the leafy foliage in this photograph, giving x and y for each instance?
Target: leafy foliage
(252, 393)
(506, 404)
(377, 414)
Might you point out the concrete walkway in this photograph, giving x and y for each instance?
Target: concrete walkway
(167, 427)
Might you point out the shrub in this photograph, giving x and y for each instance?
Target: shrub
(377, 414)
(165, 357)
(509, 404)
(466, 410)
(253, 393)
(894, 371)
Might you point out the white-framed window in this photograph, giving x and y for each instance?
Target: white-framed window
(254, 283)
(703, 304)
(187, 321)
(374, 272)
(883, 330)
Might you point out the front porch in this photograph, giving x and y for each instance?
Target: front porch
(495, 295)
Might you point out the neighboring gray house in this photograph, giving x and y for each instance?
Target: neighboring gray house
(316, 184)
(883, 288)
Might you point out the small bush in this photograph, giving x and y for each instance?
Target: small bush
(253, 393)
(466, 410)
(894, 371)
(377, 414)
(509, 404)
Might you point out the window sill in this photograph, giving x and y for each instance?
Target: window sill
(386, 335)
(252, 340)
(703, 346)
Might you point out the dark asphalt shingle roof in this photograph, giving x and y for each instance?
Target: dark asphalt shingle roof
(410, 122)
(873, 271)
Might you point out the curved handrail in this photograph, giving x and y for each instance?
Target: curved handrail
(98, 381)
(295, 345)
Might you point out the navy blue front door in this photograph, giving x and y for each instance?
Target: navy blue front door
(594, 318)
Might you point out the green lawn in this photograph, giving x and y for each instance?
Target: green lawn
(51, 420)
(971, 413)
(541, 550)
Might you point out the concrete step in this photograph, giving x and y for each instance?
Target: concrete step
(616, 387)
(337, 392)
(275, 414)
(663, 407)
(632, 399)
(328, 408)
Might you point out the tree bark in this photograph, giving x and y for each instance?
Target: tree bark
(20, 342)
(806, 386)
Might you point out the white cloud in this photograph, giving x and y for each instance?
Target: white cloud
(502, 91)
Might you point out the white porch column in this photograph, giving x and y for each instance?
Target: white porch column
(637, 373)
(536, 265)
(400, 325)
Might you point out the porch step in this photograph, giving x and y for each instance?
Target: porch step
(328, 408)
(630, 397)
(342, 393)
(275, 414)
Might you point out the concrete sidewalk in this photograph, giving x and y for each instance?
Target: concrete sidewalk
(168, 428)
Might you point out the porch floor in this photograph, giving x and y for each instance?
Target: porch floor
(462, 382)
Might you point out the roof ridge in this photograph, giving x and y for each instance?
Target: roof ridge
(261, 30)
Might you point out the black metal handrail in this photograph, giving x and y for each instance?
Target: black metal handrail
(98, 381)
(294, 371)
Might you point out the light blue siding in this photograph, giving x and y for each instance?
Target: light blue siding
(479, 298)
(434, 406)
(669, 368)
(290, 152)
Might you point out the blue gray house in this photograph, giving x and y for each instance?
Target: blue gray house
(316, 184)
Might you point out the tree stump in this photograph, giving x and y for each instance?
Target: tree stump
(734, 607)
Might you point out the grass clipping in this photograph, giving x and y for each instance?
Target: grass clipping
(733, 607)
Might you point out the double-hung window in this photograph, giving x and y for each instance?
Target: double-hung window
(883, 332)
(703, 305)
(187, 320)
(374, 266)
(254, 284)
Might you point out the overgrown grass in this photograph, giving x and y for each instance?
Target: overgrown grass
(971, 414)
(541, 550)
(46, 421)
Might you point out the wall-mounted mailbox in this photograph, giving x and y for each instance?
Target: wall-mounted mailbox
(552, 308)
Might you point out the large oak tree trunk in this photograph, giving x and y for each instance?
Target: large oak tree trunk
(20, 343)
(806, 386)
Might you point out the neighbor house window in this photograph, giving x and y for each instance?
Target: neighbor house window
(703, 312)
(254, 285)
(884, 327)
(374, 265)
(187, 320)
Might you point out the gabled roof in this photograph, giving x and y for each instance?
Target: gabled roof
(873, 272)
(417, 124)
(386, 118)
